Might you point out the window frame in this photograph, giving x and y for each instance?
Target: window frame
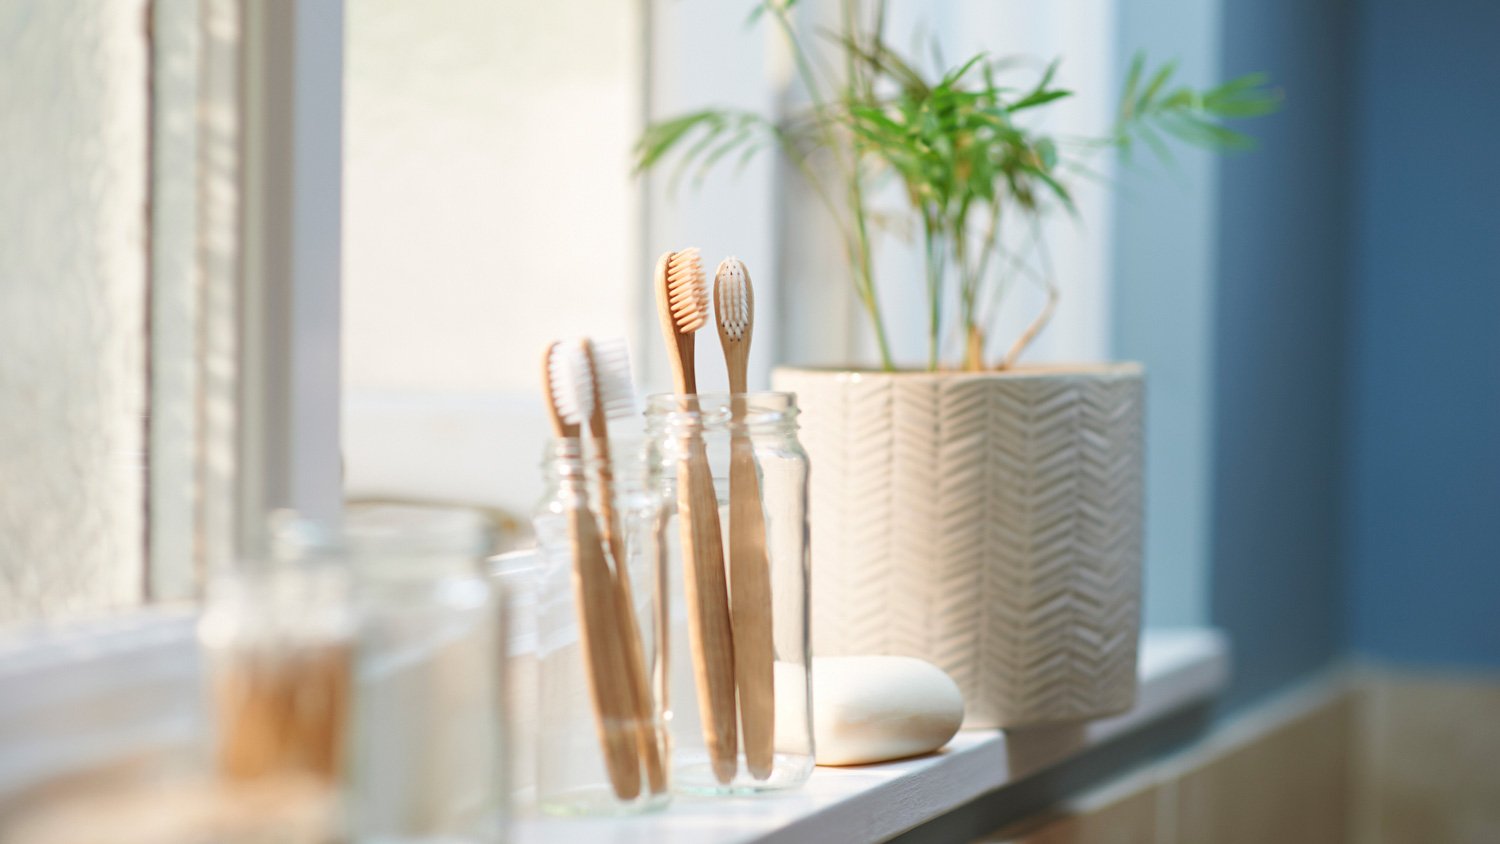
(245, 286)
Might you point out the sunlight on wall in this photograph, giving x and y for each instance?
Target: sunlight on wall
(72, 305)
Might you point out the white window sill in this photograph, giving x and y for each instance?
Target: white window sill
(115, 688)
(1178, 668)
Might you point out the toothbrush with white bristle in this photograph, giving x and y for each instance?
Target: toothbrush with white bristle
(682, 307)
(614, 398)
(568, 379)
(749, 569)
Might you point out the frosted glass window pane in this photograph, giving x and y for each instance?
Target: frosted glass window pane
(489, 201)
(73, 176)
(489, 207)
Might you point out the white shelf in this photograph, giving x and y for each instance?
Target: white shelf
(874, 802)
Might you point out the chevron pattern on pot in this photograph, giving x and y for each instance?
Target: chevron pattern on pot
(988, 523)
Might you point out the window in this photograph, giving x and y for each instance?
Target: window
(490, 208)
(155, 362)
(458, 255)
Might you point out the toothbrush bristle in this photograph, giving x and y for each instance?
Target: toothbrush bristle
(687, 291)
(612, 371)
(733, 304)
(571, 382)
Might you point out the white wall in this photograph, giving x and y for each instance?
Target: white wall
(73, 176)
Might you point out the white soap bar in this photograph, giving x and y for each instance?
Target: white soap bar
(875, 708)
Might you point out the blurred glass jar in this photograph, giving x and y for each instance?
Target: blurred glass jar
(278, 641)
(279, 644)
(513, 577)
(428, 715)
(759, 478)
(600, 743)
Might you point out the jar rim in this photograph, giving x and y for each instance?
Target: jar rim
(764, 410)
(756, 400)
(624, 451)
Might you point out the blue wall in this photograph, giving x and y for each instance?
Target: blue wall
(1344, 300)
(1280, 326)
(1423, 483)
(1356, 461)
(1162, 314)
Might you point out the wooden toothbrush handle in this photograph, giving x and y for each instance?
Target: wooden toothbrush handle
(750, 609)
(603, 656)
(647, 742)
(709, 630)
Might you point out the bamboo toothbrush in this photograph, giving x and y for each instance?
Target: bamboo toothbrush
(613, 397)
(593, 590)
(749, 570)
(682, 305)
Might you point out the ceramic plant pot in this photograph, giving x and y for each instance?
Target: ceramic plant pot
(989, 523)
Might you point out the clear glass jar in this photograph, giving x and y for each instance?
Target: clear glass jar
(428, 713)
(278, 637)
(278, 642)
(513, 576)
(759, 738)
(600, 740)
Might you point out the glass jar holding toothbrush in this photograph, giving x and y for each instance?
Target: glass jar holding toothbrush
(732, 479)
(600, 743)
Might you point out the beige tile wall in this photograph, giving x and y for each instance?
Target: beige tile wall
(1370, 757)
(1280, 775)
(1429, 759)
(1129, 817)
(1291, 785)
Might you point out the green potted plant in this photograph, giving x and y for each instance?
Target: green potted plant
(978, 513)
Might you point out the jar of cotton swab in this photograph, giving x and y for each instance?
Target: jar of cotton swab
(278, 637)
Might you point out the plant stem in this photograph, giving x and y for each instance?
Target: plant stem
(873, 308)
(931, 241)
(969, 278)
(1014, 353)
(856, 248)
(804, 67)
(991, 235)
(857, 242)
(864, 269)
(974, 360)
(1032, 330)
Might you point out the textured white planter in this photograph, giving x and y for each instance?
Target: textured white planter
(989, 523)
